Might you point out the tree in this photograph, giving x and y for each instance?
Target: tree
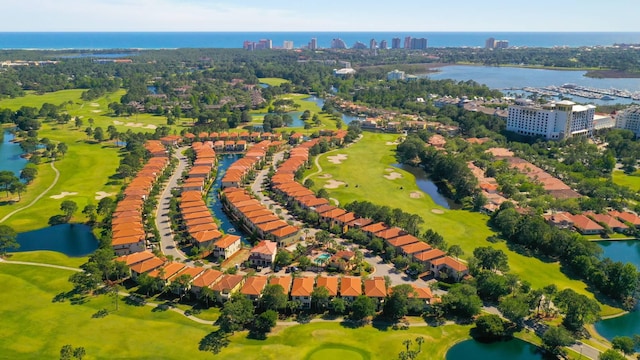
(264, 323)
(555, 338)
(69, 208)
(362, 307)
(283, 258)
(90, 211)
(78, 122)
(320, 298)
(396, 306)
(577, 308)
(8, 239)
(29, 173)
(7, 179)
(236, 314)
(304, 262)
(611, 354)
(491, 286)
(338, 305)
(62, 148)
(66, 352)
(273, 297)
(180, 284)
(455, 251)
(85, 282)
(106, 205)
(207, 294)
(624, 344)
(490, 326)
(491, 259)
(98, 134)
(515, 308)
(18, 187)
(462, 301)
(214, 342)
(79, 353)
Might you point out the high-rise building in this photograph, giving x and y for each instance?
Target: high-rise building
(419, 44)
(248, 45)
(501, 44)
(383, 44)
(395, 43)
(373, 44)
(359, 45)
(287, 45)
(407, 42)
(490, 43)
(338, 44)
(629, 119)
(313, 44)
(555, 121)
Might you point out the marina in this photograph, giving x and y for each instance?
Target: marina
(587, 92)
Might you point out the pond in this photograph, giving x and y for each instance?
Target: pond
(297, 122)
(214, 203)
(74, 240)
(514, 349)
(427, 186)
(629, 324)
(320, 102)
(11, 154)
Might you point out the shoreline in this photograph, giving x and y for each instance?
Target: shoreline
(589, 72)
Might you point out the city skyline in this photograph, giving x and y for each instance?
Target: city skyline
(286, 15)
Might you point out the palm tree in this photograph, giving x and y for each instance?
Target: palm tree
(207, 295)
(419, 341)
(407, 343)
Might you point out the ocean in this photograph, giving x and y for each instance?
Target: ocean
(172, 40)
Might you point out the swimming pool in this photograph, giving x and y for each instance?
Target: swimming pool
(322, 259)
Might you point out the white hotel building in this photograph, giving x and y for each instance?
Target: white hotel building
(629, 119)
(555, 121)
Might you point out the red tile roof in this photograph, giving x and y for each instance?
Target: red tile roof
(208, 278)
(375, 287)
(302, 286)
(329, 282)
(254, 285)
(350, 286)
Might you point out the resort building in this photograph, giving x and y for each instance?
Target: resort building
(554, 121)
(263, 254)
(301, 291)
(629, 119)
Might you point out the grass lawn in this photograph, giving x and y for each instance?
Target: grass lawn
(86, 167)
(48, 257)
(319, 341)
(467, 229)
(273, 81)
(36, 327)
(631, 181)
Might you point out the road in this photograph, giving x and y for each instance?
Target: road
(163, 223)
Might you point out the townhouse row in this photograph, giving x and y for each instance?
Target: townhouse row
(234, 136)
(197, 218)
(127, 225)
(283, 183)
(297, 288)
(590, 223)
(240, 171)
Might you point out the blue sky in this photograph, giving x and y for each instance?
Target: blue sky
(323, 15)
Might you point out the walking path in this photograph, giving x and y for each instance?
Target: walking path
(53, 183)
(317, 163)
(163, 223)
(39, 264)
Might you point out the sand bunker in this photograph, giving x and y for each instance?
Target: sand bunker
(62, 195)
(415, 195)
(137, 125)
(96, 111)
(337, 159)
(393, 175)
(389, 143)
(437, 211)
(333, 184)
(101, 195)
(95, 104)
(325, 176)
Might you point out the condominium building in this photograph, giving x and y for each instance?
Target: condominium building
(559, 120)
(338, 44)
(629, 119)
(419, 44)
(492, 43)
(395, 43)
(395, 75)
(383, 44)
(407, 42)
(373, 44)
(313, 44)
(287, 45)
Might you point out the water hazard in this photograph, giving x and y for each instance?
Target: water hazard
(513, 350)
(71, 239)
(11, 154)
(426, 185)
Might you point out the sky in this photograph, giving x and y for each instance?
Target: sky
(324, 15)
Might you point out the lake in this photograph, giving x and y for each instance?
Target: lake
(629, 324)
(426, 185)
(512, 77)
(74, 240)
(514, 349)
(214, 203)
(10, 154)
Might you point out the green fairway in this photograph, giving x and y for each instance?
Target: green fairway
(631, 181)
(298, 99)
(325, 340)
(48, 257)
(34, 325)
(368, 162)
(86, 167)
(273, 81)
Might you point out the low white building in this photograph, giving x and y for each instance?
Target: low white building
(395, 75)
